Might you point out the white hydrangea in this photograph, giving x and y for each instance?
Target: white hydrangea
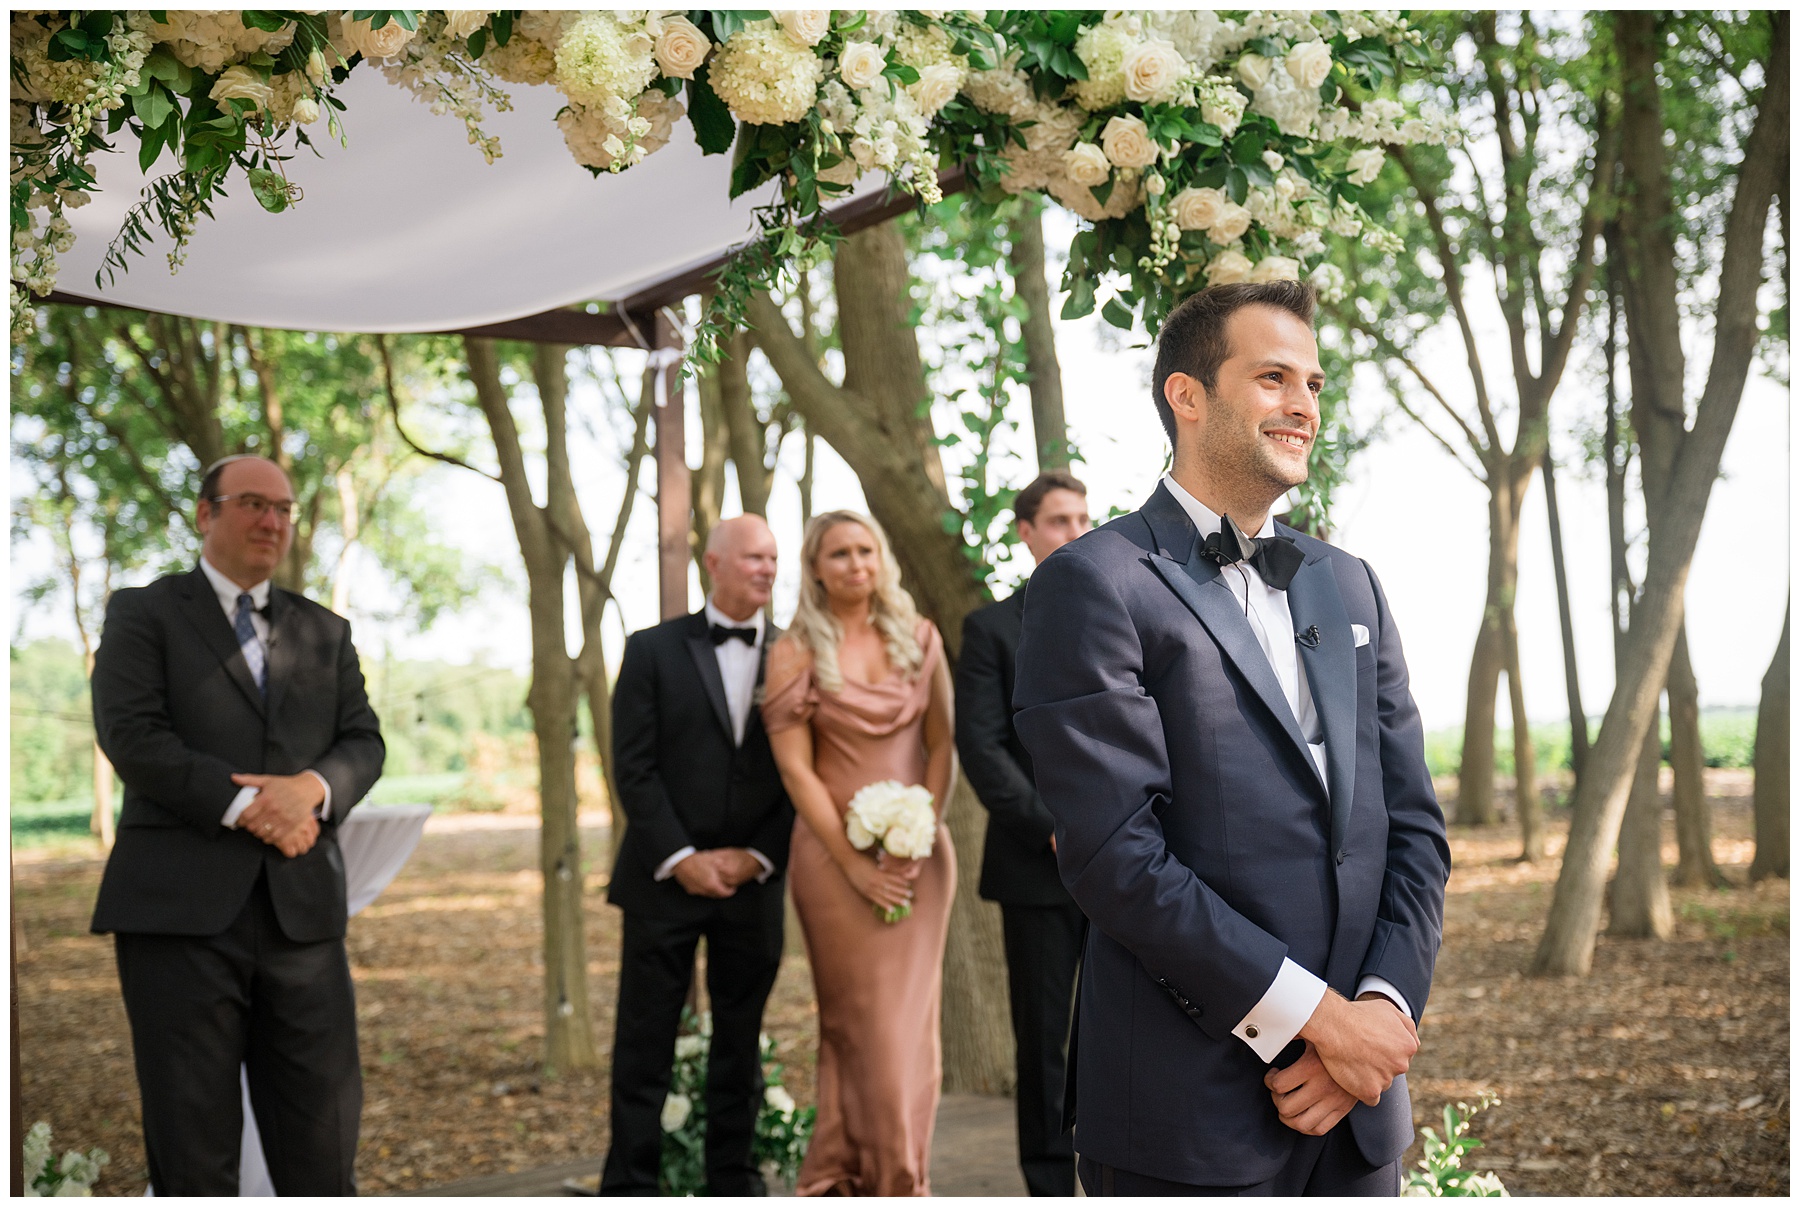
(596, 139)
(1102, 49)
(209, 40)
(1192, 32)
(603, 61)
(765, 77)
(1005, 91)
(1293, 108)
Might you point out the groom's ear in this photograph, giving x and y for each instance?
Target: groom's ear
(1185, 395)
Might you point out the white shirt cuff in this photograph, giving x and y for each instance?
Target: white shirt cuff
(324, 809)
(1273, 1022)
(667, 868)
(768, 865)
(239, 803)
(1375, 984)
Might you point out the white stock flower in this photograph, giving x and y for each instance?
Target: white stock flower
(1197, 209)
(1102, 49)
(675, 1112)
(1365, 165)
(459, 23)
(1127, 143)
(1275, 268)
(1221, 103)
(242, 83)
(361, 38)
(1328, 279)
(1230, 225)
(936, 87)
(1254, 70)
(1414, 130)
(806, 26)
(681, 48)
(1229, 267)
(1309, 63)
(1086, 164)
(779, 1099)
(861, 64)
(765, 77)
(1153, 72)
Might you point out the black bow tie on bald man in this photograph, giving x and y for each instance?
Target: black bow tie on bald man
(1276, 558)
(721, 634)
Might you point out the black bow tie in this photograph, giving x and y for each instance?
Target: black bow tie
(1276, 558)
(721, 634)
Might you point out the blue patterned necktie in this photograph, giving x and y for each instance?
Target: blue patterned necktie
(251, 644)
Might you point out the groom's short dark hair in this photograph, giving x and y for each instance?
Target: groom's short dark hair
(1193, 336)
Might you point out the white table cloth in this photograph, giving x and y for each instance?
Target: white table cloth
(376, 841)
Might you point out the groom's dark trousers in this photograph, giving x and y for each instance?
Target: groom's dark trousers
(1041, 924)
(1199, 838)
(684, 781)
(230, 953)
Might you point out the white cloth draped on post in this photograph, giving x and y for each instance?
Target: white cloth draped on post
(376, 841)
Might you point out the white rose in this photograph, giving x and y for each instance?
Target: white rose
(1273, 160)
(1232, 222)
(1086, 164)
(383, 43)
(1254, 69)
(1198, 209)
(936, 87)
(459, 23)
(1153, 71)
(1228, 268)
(1365, 165)
(1309, 63)
(306, 111)
(780, 1099)
(681, 48)
(1155, 185)
(857, 833)
(242, 84)
(861, 64)
(1275, 268)
(805, 26)
(1286, 187)
(1126, 141)
(675, 1112)
(689, 1046)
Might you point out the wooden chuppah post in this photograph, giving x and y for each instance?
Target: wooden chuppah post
(674, 488)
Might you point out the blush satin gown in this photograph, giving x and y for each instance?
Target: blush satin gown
(877, 984)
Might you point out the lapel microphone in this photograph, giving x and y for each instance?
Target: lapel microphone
(1310, 638)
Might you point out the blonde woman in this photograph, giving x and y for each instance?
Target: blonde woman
(858, 692)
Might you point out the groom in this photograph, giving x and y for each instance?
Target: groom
(1217, 711)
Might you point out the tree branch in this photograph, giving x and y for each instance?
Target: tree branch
(393, 397)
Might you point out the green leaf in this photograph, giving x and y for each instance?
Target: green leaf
(268, 22)
(1237, 183)
(67, 44)
(1103, 192)
(270, 190)
(153, 107)
(477, 43)
(501, 23)
(714, 127)
(149, 148)
(1080, 301)
(1116, 314)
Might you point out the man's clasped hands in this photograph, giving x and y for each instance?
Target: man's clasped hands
(283, 812)
(1354, 1050)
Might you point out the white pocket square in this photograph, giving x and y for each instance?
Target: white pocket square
(1360, 633)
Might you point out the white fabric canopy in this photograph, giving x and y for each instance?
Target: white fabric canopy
(409, 229)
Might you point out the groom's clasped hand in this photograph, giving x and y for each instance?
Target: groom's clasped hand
(1354, 1050)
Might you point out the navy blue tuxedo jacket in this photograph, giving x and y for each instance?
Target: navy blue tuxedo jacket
(1195, 832)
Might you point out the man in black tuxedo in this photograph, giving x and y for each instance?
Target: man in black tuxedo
(706, 843)
(1041, 922)
(1218, 715)
(235, 714)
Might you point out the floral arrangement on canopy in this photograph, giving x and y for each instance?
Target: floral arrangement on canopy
(1204, 147)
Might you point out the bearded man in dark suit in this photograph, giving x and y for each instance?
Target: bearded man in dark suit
(705, 848)
(235, 714)
(1041, 924)
(1218, 715)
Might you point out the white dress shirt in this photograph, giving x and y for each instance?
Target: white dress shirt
(1295, 993)
(738, 664)
(228, 593)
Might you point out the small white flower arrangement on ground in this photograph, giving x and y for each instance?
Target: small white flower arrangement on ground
(900, 818)
(783, 1129)
(74, 1177)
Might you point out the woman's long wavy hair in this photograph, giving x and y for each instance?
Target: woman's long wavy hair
(891, 609)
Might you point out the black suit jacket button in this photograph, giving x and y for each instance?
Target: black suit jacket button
(1250, 1032)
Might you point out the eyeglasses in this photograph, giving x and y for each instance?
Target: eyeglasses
(287, 511)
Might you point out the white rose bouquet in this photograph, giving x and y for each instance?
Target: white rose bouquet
(900, 818)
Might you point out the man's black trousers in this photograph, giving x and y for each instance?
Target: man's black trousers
(202, 1006)
(743, 954)
(1043, 947)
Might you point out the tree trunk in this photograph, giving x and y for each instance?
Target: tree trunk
(744, 431)
(709, 479)
(1568, 943)
(1578, 734)
(1771, 761)
(1640, 894)
(1475, 773)
(1618, 459)
(1032, 287)
(1526, 798)
(674, 482)
(878, 422)
(568, 1027)
(1693, 814)
(806, 480)
(350, 522)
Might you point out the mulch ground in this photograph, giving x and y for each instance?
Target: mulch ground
(1665, 1072)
